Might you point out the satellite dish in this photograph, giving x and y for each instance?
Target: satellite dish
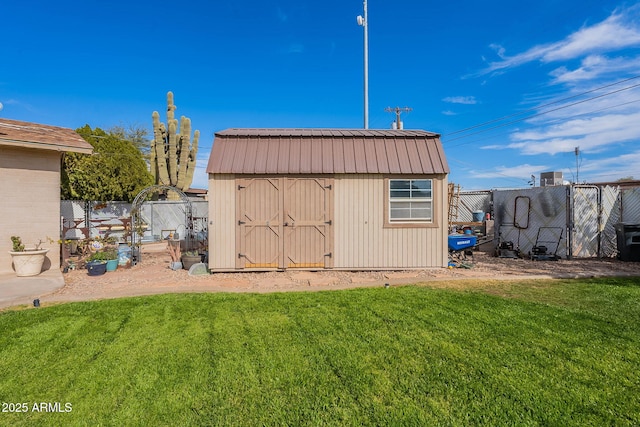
(360, 20)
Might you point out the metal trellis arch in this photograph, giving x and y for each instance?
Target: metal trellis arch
(137, 223)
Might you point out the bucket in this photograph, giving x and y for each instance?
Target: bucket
(477, 216)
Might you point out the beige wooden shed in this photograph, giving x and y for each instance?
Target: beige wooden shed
(327, 199)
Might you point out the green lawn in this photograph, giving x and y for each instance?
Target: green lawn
(540, 353)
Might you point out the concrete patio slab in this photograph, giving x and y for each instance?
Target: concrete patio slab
(23, 290)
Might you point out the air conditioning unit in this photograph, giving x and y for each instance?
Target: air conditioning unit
(549, 179)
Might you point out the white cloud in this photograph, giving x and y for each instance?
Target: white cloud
(620, 98)
(602, 125)
(589, 126)
(523, 171)
(613, 33)
(449, 113)
(594, 66)
(18, 104)
(596, 105)
(611, 168)
(494, 147)
(619, 31)
(591, 135)
(467, 100)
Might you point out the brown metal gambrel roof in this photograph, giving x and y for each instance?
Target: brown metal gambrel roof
(326, 151)
(44, 137)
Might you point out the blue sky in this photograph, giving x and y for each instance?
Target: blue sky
(512, 87)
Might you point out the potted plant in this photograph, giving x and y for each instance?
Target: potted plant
(190, 258)
(97, 263)
(111, 256)
(27, 261)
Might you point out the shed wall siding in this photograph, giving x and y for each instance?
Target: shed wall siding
(361, 241)
(222, 226)
(30, 208)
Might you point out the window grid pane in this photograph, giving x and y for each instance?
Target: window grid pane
(409, 188)
(410, 200)
(410, 210)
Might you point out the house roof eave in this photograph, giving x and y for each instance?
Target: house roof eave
(45, 146)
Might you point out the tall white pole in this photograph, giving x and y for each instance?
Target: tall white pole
(364, 23)
(366, 67)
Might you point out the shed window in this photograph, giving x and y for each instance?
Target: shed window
(410, 200)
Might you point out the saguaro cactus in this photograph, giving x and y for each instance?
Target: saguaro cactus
(173, 155)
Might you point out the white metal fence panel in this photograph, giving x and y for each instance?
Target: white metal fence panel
(609, 200)
(164, 219)
(96, 219)
(586, 214)
(74, 220)
(473, 201)
(585, 222)
(630, 205)
(530, 217)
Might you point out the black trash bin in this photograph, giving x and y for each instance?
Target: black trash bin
(628, 236)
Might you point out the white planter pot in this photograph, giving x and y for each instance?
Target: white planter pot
(29, 262)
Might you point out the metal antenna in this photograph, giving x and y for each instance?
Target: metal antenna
(398, 111)
(577, 151)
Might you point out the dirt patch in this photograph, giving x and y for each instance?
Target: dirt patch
(153, 276)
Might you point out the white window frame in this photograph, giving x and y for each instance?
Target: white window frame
(410, 199)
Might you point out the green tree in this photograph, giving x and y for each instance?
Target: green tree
(116, 171)
(136, 134)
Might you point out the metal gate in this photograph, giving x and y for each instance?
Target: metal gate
(586, 221)
(284, 223)
(594, 217)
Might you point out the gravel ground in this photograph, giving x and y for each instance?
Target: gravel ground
(153, 276)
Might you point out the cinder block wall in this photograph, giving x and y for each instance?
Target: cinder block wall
(29, 201)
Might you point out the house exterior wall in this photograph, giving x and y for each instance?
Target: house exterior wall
(361, 240)
(30, 208)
